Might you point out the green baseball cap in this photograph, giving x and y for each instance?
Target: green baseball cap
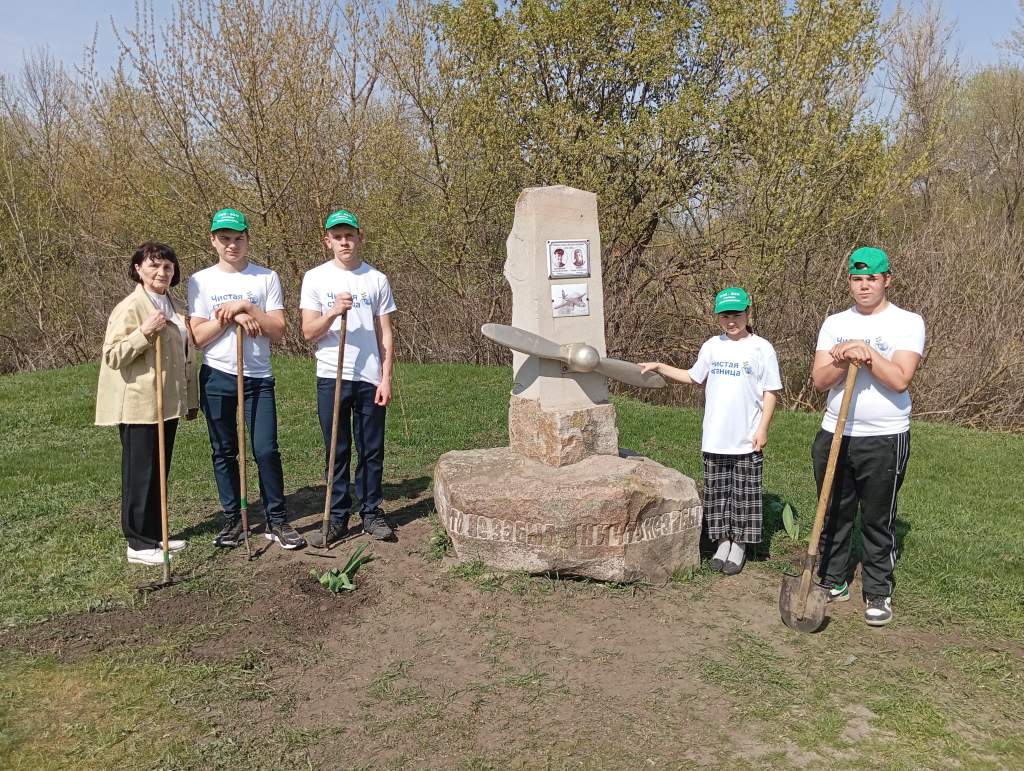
(731, 299)
(229, 219)
(867, 261)
(341, 217)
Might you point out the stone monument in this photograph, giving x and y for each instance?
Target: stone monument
(562, 498)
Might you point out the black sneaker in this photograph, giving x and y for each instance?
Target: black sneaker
(878, 611)
(376, 526)
(231, 534)
(284, 534)
(335, 533)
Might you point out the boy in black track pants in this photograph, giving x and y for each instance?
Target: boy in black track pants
(887, 342)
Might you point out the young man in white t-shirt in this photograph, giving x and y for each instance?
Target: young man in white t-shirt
(887, 342)
(347, 286)
(233, 293)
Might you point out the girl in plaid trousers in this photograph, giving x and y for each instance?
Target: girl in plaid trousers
(740, 372)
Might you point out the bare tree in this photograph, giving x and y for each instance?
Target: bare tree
(991, 117)
(923, 71)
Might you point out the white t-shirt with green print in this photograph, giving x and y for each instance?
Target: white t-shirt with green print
(736, 374)
(875, 409)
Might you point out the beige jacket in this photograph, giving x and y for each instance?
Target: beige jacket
(127, 386)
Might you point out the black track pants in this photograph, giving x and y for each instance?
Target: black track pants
(869, 474)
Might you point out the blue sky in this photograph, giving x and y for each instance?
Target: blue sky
(980, 26)
(66, 26)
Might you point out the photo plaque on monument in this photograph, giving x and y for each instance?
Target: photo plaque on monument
(569, 259)
(569, 300)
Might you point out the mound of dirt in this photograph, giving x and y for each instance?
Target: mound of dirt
(228, 615)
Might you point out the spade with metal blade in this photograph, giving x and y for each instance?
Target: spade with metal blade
(577, 357)
(319, 540)
(801, 601)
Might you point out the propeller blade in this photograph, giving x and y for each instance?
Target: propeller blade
(535, 345)
(629, 373)
(523, 341)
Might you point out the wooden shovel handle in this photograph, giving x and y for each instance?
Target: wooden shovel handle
(240, 421)
(329, 487)
(240, 406)
(162, 459)
(826, 487)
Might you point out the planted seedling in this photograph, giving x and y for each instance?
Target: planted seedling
(789, 522)
(776, 508)
(338, 580)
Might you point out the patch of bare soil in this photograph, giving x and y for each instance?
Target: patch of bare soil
(420, 668)
(254, 604)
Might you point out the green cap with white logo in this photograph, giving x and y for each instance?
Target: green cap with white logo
(867, 261)
(229, 219)
(341, 217)
(731, 299)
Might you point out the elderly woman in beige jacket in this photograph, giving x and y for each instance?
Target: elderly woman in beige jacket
(126, 396)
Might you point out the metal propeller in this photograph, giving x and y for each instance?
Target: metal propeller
(577, 357)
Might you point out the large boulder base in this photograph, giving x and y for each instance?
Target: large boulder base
(607, 517)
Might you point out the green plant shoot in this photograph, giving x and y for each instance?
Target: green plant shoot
(338, 580)
(789, 522)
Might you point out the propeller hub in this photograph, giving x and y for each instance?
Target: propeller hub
(583, 358)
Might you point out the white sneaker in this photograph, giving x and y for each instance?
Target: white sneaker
(878, 611)
(146, 556)
(174, 545)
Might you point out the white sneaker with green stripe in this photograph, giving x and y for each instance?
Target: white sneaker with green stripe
(838, 592)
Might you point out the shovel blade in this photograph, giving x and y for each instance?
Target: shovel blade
(156, 586)
(813, 617)
(315, 539)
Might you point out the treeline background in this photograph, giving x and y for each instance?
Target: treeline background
(728, 141)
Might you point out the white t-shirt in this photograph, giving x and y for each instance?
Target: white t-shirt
(738, 372)
(876, 410)
(212, 287)
(371, 297)
(163, 304)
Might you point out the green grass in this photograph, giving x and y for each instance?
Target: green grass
(962, 571)
(440, 541)
(930, 713)
(105, 712)
(60, 475)
(752, 670)
(959, 512)
(963, 548)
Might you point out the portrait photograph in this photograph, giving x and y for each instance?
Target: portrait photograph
(567, 259)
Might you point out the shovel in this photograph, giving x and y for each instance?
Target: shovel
(802, 602)
(321, 541)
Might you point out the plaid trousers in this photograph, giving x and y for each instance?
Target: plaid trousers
(732, 496)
